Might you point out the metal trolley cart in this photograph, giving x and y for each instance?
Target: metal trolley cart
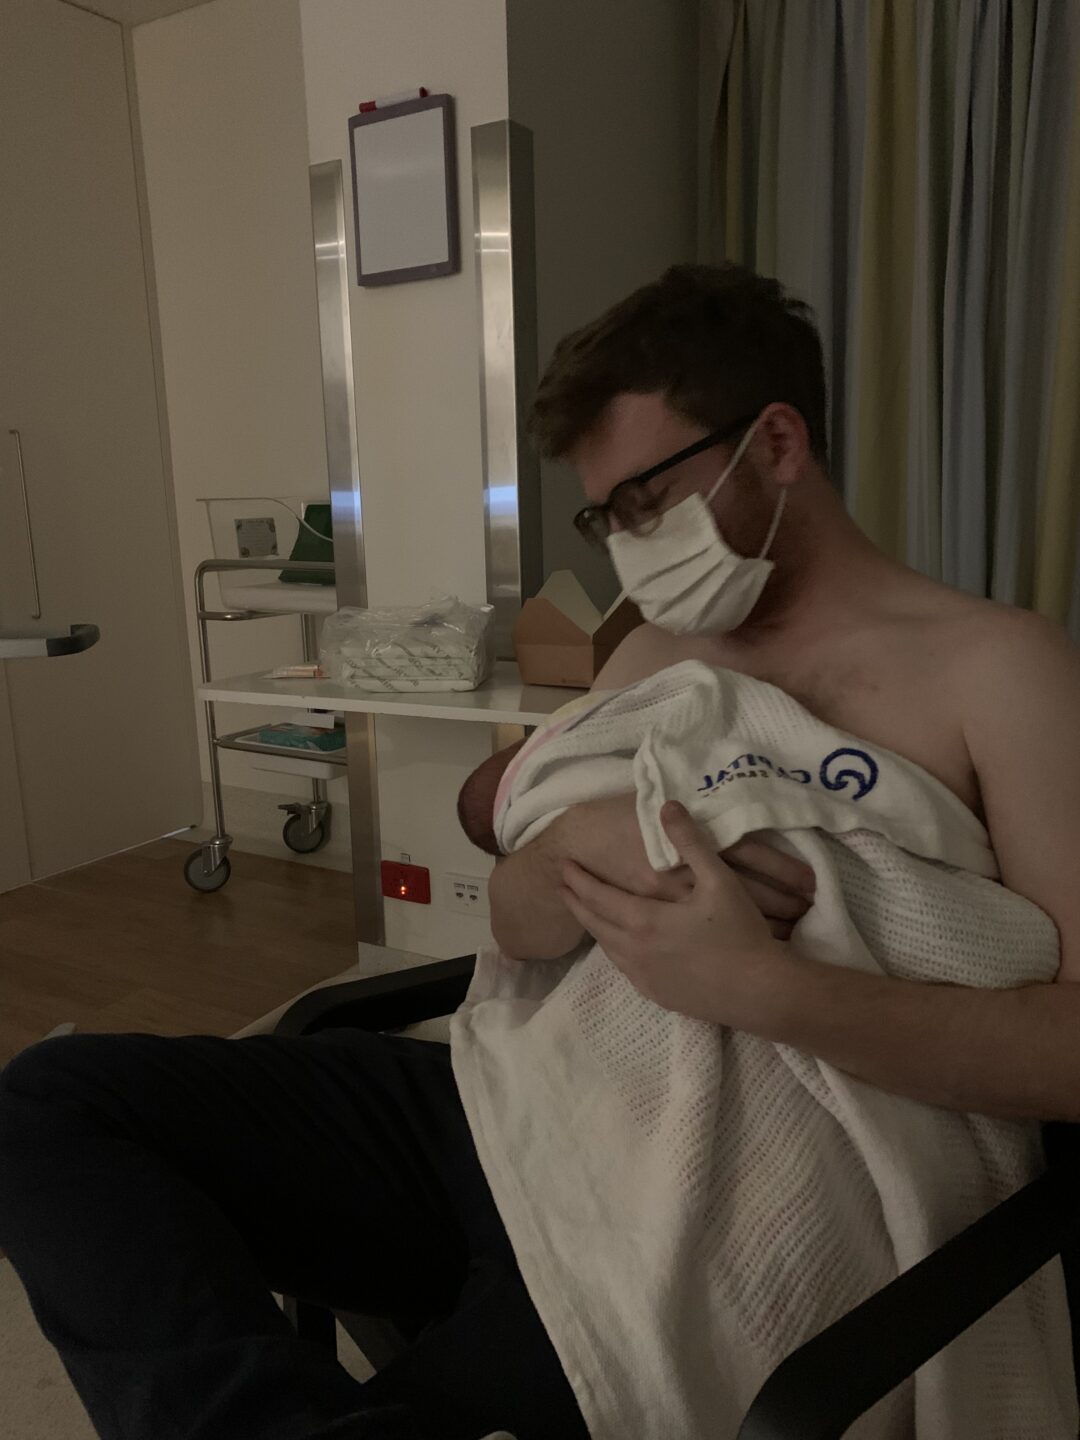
(307, 827)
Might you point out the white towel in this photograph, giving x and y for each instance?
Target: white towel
(689, 1203)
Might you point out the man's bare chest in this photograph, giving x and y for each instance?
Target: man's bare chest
(887, 693)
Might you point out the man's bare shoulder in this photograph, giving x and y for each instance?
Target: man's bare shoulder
(1021, 684)
(1002, 656)
(988, 637)
(642, 653)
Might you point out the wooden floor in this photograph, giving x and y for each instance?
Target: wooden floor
(126, 945)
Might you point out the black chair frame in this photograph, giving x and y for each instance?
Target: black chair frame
(825, 1385)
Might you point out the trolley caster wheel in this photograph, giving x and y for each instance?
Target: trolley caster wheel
(198, 879)
(301, 841)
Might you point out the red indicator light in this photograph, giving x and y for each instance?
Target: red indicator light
(406, 882)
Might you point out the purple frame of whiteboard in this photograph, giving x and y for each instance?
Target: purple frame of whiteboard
(452, 264)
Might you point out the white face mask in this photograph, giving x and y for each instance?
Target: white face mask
(683, 575)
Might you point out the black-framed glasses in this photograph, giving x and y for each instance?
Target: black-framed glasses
(632, 504)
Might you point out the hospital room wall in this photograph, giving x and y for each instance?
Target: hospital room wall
(417, 378)
(609, 91)
(225, 120)
(238, 96)
(224, 133)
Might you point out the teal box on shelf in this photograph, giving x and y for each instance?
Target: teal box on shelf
(302, 737)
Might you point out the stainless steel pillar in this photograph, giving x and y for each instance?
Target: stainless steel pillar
(335, 333)
(506, 283)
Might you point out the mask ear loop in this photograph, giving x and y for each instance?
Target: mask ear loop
(740, 451)
(775, 522)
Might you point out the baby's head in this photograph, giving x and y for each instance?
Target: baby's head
(475, 808)
(476, 801)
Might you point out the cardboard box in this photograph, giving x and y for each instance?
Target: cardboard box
(560, 638)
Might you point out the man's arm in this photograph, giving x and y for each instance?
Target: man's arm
(1011, 1053)
(1021, 692)
(1014, 1054)
(529, 920)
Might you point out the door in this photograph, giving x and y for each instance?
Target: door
(104, 741)
(14, 859)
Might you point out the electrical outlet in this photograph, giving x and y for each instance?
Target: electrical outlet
(406, 882)
(467, 894)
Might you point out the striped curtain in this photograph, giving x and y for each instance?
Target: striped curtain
(912, 169)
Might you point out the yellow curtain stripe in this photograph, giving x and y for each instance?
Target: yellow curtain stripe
(886, 260)
(1059, 500)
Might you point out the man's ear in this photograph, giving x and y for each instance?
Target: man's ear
(781, 444)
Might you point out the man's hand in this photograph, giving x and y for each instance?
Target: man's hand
(529, 916)
(604, 838)
(710, 955)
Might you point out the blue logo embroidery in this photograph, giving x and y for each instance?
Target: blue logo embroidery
(838, 780)
(864, 774)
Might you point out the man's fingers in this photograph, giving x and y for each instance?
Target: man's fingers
(771, 864)
(674, 884)
(607, 936)
(612, 905)
(774, 904)
(692, 843)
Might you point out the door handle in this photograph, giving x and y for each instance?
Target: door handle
(36, 612)
(19, 647)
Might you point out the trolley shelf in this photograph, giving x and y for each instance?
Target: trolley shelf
(235, 741)
(501, 700)
(308, 827)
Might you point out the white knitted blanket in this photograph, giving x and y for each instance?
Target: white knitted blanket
(689, 1203)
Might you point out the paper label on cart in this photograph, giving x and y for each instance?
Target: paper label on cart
(255, 538)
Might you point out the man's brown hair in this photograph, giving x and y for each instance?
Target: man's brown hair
(720, 341)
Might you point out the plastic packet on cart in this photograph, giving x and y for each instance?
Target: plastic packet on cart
(443, 645)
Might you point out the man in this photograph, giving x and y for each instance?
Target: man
(650, 402)
(155, 1191)
(723, 1187)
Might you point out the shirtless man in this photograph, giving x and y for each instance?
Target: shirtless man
(984, 696)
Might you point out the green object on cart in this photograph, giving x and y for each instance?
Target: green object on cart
(312, 547)
(302, 737)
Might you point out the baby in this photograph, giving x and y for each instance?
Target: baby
(781, 886)
(476, 802)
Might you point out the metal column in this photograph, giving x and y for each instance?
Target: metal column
(502, 167)
(335, 334)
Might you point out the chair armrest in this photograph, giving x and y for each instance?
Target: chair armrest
(382, 1002)
(825, 1385)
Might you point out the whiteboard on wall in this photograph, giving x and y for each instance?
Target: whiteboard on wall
(405, 191)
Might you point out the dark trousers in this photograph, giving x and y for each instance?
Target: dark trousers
(155, 1191)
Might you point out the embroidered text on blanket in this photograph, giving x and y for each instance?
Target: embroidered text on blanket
(761, 767)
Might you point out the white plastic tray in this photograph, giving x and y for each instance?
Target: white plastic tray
(281, 599)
